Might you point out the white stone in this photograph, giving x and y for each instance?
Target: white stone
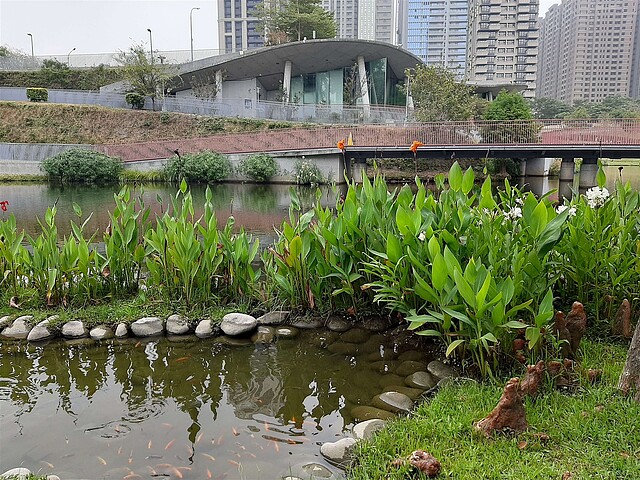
(74, 329)
(440, 370)
(364, 430)
(4, 321)
(101, 332)
(237, 323)
(147, 327)
(338, 452)
(18, 473)
(273, 318)
(19, 329)
(204, 329)
(122, 330)
(393, 401)
(53, 477)
(177, 325)
(40, 332)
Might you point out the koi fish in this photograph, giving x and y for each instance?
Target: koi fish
(177, 472)
(209, 475)
(170, 444)
(235, 432)
(210, 457)
(49, 465)
(234, 463)
(199, 437)
(182, 359)
(131, 476)
(149, 445)
(102, 460)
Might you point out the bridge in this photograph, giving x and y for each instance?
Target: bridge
(527, 140)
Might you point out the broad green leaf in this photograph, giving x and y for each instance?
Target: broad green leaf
(434, 247)
(601, 177)
(482, 293)
(439, 272)
(453, 345)
(533, 335)
(468, 181)
(394, 248)
(515, 324)
(538, 220)
(455, 177)
(486, 195)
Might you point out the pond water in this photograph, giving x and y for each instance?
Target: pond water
(186, 408)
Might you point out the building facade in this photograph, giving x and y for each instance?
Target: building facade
(590, 50)
(502, 46)
(238, 28)
(437, 32)
(346, 13)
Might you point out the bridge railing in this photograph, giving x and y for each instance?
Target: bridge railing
(541, 132)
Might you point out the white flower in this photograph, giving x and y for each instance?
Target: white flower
(514, 213)
(596, 196)
(562, 208)
(463, 240)
(422, 236)
(519, 201)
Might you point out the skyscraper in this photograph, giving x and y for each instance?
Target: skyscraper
(437, 32)
(237, 25)
(590, 49)
(502, 45)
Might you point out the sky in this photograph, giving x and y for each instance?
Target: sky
(101, 26)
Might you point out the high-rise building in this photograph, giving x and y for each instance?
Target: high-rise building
(237, 25)
(502, 45)
(346, 13)
(590, 50)
(437, 32)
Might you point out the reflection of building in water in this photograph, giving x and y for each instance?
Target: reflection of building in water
(257, 389)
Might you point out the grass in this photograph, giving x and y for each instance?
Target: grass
(593, 432)
(18, 178)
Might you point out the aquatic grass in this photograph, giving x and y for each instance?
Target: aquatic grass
(592, 433)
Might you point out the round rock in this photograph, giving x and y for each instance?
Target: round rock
(385, 366)
(421, 380)
(273, 318)
(365, 412)
(177, 324)
(395, 402)
(338, 452)
(101, 332)
(17, 473)
(412, 393)
(309, 471)
(440, 370)
(338, 324)
(147, 327)
(322, 338)
(74, 329)
(364, 430)
(122, 330)
(308, 323)
(237, 323)
(390, 379)
(410, 366)
(264, 335)
(414, 355)
(4, 321)
(287, 332)
(204, 329)
(340, 348)
(40, 333)
(19, 329)
(375, 324)
(355, 335)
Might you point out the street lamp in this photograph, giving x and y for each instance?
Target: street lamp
(32, 54)
(69, 56)
(150, 44)
(191, 28)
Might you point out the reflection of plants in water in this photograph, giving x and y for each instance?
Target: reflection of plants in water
(257, 198)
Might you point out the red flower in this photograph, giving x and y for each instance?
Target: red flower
(3, 205)
(414, 146)
(341, 144)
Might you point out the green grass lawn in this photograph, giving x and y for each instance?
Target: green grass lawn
(592, 432)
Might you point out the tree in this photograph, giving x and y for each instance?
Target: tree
(549, 108)
(438, 96)
(144, 76)
(509, 106)
(293, 20)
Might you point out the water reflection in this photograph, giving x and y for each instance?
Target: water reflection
(188, 406)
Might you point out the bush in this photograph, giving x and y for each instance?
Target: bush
(201, 167)
(78, 165)
(259, 167)
(307, 173)
(135, 100)
(37, 94)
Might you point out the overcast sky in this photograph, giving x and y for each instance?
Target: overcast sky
(101, 26)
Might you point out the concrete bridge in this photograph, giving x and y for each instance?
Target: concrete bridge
(528, 140)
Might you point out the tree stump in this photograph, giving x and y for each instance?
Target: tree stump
(622, 323)
(629, 382)
(509, 415)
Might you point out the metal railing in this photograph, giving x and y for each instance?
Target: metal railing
(495, 133)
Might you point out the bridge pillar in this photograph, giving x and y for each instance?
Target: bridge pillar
(286, 81)
(588, 171)
(567, 169)
(537, 167)
(358, 171)
(364, 87)
(565, 190)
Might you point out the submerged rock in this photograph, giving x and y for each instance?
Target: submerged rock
(410, 366)
(147, 327)
(122, 330)
(4, 321)
(74, 329)
(287, 332)
(375, 324)
(355, 335)
(237, 323)
(338, 324)
(177, 325)
(422, 380)
(273, 318)
(364, 412)
(393, 402)
(19, 329)
(364, 430)
(414, 355)
(309, 471)
(338, 452)
(101, 332)
(412, 393)
(308, 323)
(391, 379)
(340, 348)
(264, 335)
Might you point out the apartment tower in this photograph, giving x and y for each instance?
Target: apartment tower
(590, 50)
(502, 45)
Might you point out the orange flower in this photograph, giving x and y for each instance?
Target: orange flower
(341, 144)
(414, 146)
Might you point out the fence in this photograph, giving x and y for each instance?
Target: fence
(33, 152)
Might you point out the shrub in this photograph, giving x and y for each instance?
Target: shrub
(259, 167)
(307, 173)
(37, 94)
(201, 167)
(135, 100)
(78, 165)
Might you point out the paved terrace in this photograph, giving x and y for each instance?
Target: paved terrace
(588, 139)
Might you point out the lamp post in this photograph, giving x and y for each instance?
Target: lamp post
(162, 57)
(150, 44)
(33, 57)
(191, 28)
(69, 56)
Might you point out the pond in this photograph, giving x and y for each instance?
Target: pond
(188, 408)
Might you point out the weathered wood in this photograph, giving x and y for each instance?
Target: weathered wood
(629, 382)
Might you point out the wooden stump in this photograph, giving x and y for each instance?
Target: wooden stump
(622, 323)
(629, 382)
(509, 415)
